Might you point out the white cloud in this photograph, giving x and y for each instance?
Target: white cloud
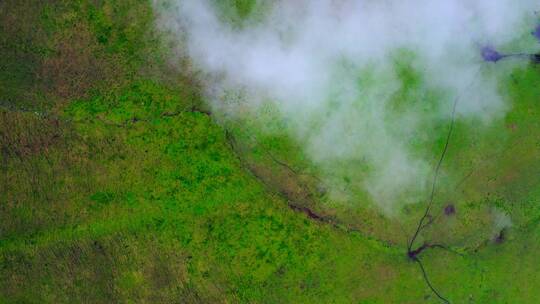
(305, 53)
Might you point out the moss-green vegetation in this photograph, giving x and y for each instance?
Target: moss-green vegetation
(114, 188)
(240, 13)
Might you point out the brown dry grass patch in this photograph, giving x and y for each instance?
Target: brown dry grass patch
(74, 68)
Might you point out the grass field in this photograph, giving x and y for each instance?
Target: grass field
(118, 185)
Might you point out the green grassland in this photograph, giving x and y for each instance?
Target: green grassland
(117, 186)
